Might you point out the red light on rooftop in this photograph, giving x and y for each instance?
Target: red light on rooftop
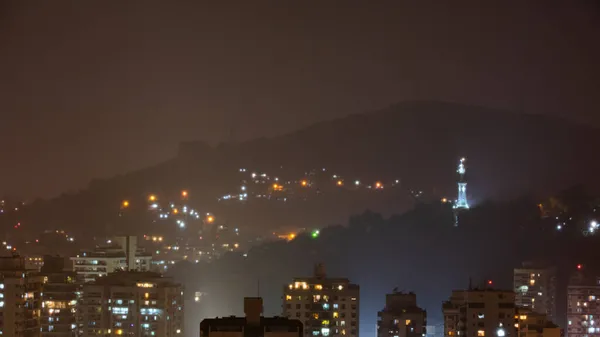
(490, 282)
(579, 267)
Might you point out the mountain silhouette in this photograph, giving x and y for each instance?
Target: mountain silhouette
(419, 143)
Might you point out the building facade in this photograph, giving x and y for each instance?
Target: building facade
(480, 313)
(20, 298)
(132, 303)
(121, 254)
(583, 305)
(401, 317)
(533, 324)
(253, 325)
(535, 289)
(60, 295)
(326, 306)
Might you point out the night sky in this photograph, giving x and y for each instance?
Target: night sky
(96, 88)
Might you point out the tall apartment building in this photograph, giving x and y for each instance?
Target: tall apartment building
(20, 298)
(60, 294)
(583, 305)
(132, 303)
(123, 253)
(533, 324)
(535, 289)
(326, 306)
(401, 316)
(252, 325)
(480, 313)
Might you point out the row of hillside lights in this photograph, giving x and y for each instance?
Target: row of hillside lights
(304, 286)
(378, 185)
(153, 198)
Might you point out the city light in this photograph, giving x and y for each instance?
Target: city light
(125, 203)
(184, 194)
(152, 197)
(315, 234)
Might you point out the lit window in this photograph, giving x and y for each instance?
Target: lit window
(480, 333)
(336, 315)
(288, 297)
(318, 287)
(407, 322)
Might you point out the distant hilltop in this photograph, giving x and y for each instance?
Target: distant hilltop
(418, 142)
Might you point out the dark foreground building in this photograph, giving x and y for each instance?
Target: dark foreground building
(253, 325)
(401, 317)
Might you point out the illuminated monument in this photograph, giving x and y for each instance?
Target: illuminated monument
(461, 202)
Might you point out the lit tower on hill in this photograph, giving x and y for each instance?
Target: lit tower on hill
(461, 201)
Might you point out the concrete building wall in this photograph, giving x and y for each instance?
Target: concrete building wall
(535, 288)
(480, 313)
(326, 306)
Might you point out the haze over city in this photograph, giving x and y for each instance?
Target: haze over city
(300, 169)
(94, 89)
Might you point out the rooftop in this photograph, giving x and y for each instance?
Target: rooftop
(144, 279)
(279, 324)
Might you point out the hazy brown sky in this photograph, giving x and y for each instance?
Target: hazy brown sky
(94, 88)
